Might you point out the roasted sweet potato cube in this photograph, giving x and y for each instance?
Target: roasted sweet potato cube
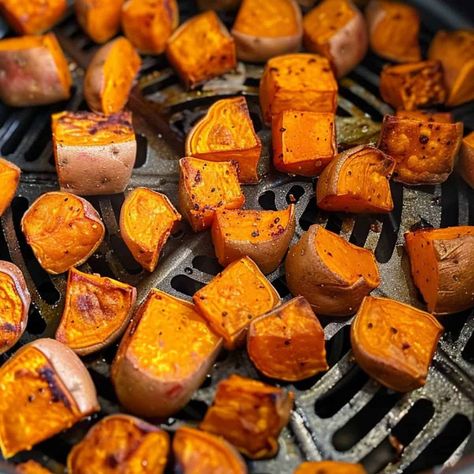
(120, 443)
(393, 30)
(96, 312)
(442, 262)
(465, 164)
(32, 17)
(455, 50)
(357, 180)
(425, 115)
(204, 187)
(201, 48)
(263, 236)
(424, 152)
(287, 343)
(84, 141)
(164, 356)
(413, 85)
(148, 24)
(226, 133)
(303, 142)
(329, 467)
(40, 395)
(198, 452)
(394, 342)
(297, 82)
(233, 298)
(249, 414)
(9, 180)
(31, 467)
(147, 219)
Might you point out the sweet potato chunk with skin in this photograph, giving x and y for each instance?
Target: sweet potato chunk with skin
(147, 219)
(424, 152)
(297, 82)
(14, 305)
(148, 24)
(40, 395)
(226, 133)
(84, 141)
(31, 467)
(200, 49)
(329, 467)
(100, 19)
(164, 356)
(110, 75)
(63, 230)
(441, 263)
(393, 30)
(33, 71)
(32, 17)
(249, 414)
(266, 29)
(336, 29)
(206, 186)
(9, 180)
(357, 181)
(96, 312)
(465, 165)
(331, 273)
(264, 236)
(425, 115)
(394, 342)
(233, 298)
(413, 85)
(198, 452)
(455, 50)
(120, 444)
(287, 343)
(303, 142)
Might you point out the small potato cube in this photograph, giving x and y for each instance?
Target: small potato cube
(31, 467)
(233, 298)
(425, 115)
(303, 142)
(297, 82)
(465, 164)
(201, 48)
(329, 467)
(250, 415)
(424, 151)
(204, 187)
(9, 179)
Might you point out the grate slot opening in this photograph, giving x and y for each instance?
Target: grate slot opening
(124, 255)
(294, 194)
(142, 150)
(267, 201)
(207, 264)
(186, 285)
(468, 352)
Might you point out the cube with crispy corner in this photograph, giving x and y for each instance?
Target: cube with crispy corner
(303, 142)
(242, 406)
(465, 164)
(226, 133)
(233, 298)
(201, 48)
(424, 152)
(425, 115)
(9, 180)
(204, 187)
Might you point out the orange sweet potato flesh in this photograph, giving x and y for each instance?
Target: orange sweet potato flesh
(32, 17)
(455, 50)
(148, 24)
(424, 152)
(263, 236)
(465, 164)
(198, 452)
(329, 467)
(441, 266)
(9, 180)
(226, 133)
(297, 82)
(233, 298)
(63, 230)
(357, 181)
(147, 219)
(303, 142)
(250, 415)
(201, 48)
(394, 343)
(393, 30)
(120, 444)
(331, 273)
(164, 357)
(413, 85)
(204, 187)
(31, 467)
(287, 343)
(96, 311)
(425, 115)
